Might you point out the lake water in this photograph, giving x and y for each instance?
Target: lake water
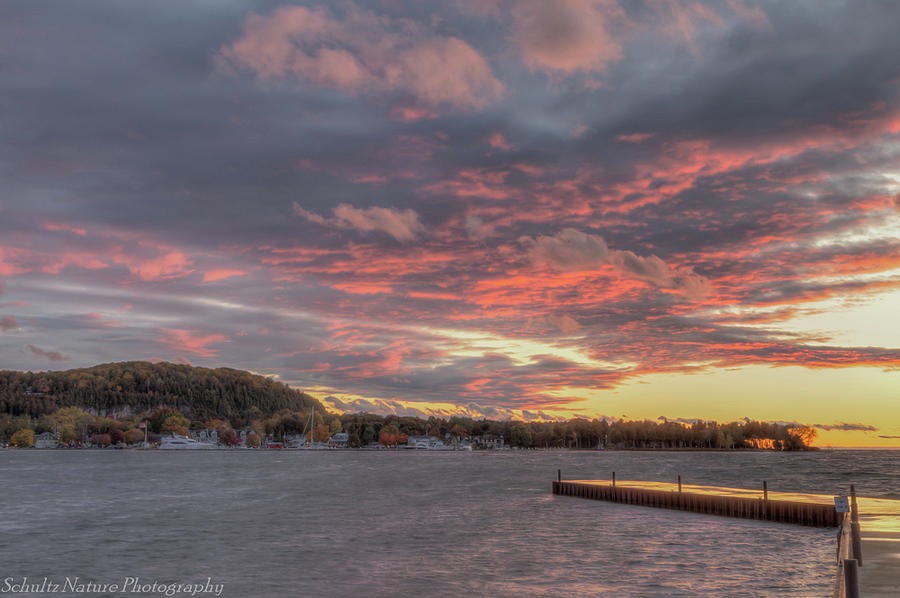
(398, 523)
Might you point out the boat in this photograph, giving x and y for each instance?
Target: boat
(183, 443)
(309, 434)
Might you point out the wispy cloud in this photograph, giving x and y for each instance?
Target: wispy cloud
(45, 354)
(403, 225)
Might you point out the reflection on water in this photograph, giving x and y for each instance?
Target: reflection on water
(385, 524)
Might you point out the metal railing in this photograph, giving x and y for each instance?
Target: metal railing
(849, 553)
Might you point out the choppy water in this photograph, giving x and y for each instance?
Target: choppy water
(348, 523)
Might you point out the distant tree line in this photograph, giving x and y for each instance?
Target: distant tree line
(106, 404)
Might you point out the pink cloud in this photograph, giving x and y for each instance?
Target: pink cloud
(684, 21)
(403, 225)
(571, 250)
(100, 321)
(362, 288)
(191, 341)
(171, 265)
(498, 141)
(214, 275)
(566, 324)
(567, 35)
(474, 182)
(363, 53)
(635, 137)
(10, 259)
(65, 227)
(410, 114)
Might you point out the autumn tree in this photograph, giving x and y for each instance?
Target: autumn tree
(134, 436)
(389, 435)
(322, 433)
(175, 423)
(805, 434)
(23, 438)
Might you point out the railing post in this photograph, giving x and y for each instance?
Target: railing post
(559, 475)
(614, 479)
(855, 539)
(851, 578)
(679, 483)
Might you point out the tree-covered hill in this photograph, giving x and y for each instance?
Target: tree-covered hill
(135, 386)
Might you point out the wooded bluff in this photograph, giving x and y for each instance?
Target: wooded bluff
(115, 389)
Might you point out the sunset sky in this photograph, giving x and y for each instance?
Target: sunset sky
(519, 208)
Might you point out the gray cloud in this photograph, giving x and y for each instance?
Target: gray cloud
(845, 427)
(51, 355)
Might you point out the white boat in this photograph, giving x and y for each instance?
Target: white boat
(182, 443)
(309, 434)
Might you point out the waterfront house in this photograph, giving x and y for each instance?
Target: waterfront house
(339, 440)
(45, 440)
(210, 436)
(488, 441)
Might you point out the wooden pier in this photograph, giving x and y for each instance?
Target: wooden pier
(868, 559)
(727, 502)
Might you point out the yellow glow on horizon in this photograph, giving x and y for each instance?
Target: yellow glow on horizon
(759, 392)
(808, 396)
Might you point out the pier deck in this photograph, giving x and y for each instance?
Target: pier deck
(879, 522)
(802, 509)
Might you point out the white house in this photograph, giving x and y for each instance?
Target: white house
(339, 440)
(45, 440)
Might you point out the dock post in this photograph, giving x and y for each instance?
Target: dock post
(855, 539)
(765, 490)
(614, 479)
(851, 578)
(765, 504)
(559, 475)
(679, 483)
